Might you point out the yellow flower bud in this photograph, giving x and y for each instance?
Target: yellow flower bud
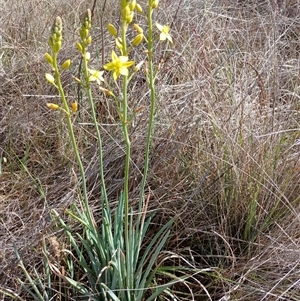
(88, 40)
(83, 32)
(74, 106)
(66, 65)
(56, 27)
(132, 4)
(138, 39)
(138, 28)
(50, 42)
(138, 8)
(79, 46)
(56, 47)
(112, 30)
(49, 58)
(127, 14)
(154, 3)
(129, 18)
(87, 56)
(52, 106)
(50, 78)
(56, 35)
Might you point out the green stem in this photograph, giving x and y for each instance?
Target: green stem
(151, 115)
(127, 164)
(72, 136)
(96, 125)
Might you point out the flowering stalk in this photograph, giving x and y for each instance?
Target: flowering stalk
(125, 22)
(152, 4)
(55, 42)
(92, 75)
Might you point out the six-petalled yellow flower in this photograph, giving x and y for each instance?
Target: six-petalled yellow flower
(96, 75)
(119, 65)
(164, 32)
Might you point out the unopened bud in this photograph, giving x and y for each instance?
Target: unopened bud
(83, 32)
(154, 3)
(52, 106)
(127, 14)
(66, 65)
(112, 30)
(79, 46)
(49, 58)
(132, 4)
(129, 18)
(56, 47)
(138, 28)
(138, 39)
(138, 8)
(87, 56)
(50, 78)
(88, 40)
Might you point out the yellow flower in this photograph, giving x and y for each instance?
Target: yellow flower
(164, 32)
(119, 65)
(96, 75)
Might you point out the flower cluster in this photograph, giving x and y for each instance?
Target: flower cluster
(55, 39)
(119, 65)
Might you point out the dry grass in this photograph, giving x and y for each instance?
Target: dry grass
(225, 153)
